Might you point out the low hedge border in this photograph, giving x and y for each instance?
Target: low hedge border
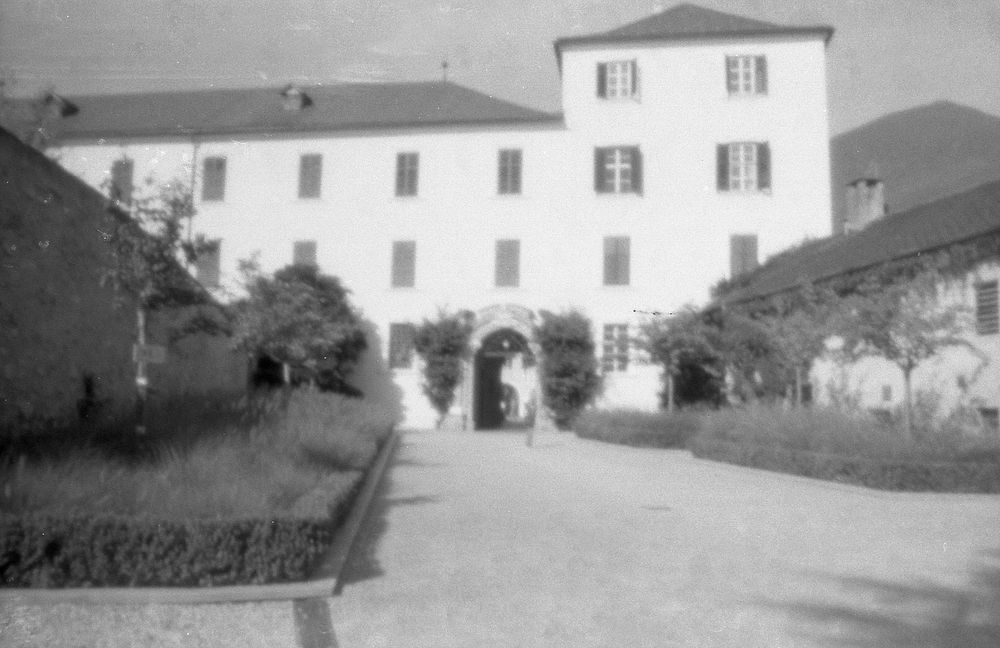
(884, 474)
(120, 551)
(638, 429)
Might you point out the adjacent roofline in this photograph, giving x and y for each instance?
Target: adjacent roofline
(817, 30)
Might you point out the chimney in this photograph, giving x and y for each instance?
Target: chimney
(57, 107)
(294, 99)
(865, 203)
(742, 254)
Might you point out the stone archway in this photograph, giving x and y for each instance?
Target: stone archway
(491, 321)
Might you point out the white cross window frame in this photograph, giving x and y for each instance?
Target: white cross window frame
(744, 71)
(619, 80)
(618, 170)
(743, 166)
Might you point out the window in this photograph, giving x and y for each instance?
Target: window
(207, 264)
(121, 180)
(742, 254)
(618, 80)
(616, 260)
(615, 356)
(618, 170)
(987, 310)
(406, 173)
(310, 175)
(508, 271)
(509, 181)
(991, 418)
(746, 75)
(404, 261)
(304, 253)
(213, 183)
(401, 345)
(743, 166)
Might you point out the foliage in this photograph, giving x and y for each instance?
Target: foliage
(905, 323)
(637, 428)
(303, 318)
(568, 371)
(680, 341)
(752, 356)
(442, 344)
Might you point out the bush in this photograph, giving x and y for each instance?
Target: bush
(636, 428)
(568, 371)
(957, 476)
(442, 344)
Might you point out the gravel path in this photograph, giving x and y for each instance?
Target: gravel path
(477, 540)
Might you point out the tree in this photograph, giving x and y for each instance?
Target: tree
(301, 318)
(750, 352)
(568, 374)
(904, 322)
(678, 340)
(442, 345)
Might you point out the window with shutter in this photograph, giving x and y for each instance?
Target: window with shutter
(615, 348)
(310, 175)
(508, 263)
(401, 345)
(121, 180)
(213, 183)
(304, 253)
(616, 260)
(407, 166)
(404, 261)
(987, 308)
(509, 172)
(743, 166)
(746, 75)
(207, 266)
(618, 170)
(618, 80)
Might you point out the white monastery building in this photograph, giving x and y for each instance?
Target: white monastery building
(690, 142)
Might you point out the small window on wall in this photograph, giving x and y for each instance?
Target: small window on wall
(991, 419)
(407, 170)
(618, 80)
(404, 264)
(121, 180)
(304, 253)
(615, 348)
(310, 175)
(743, 167)
(746, 75)
(401, 345)
(617, 260)
(207, 266)
(509, 172)
(987, 308)
(618, 169)
(213, 179)
(508, 262)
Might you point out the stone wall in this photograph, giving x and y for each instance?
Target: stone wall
(62, 332)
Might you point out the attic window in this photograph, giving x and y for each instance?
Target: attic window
(294, 99)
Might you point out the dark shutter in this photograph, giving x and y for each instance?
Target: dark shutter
(722, 167)
(404, 260)
(761, 63)
(602, 80)
(635, 77)
(310, 175)
(401, 345)
(121, 180)
(207, 266)
(742, 254)
(732, 82)
(763, 166)
(213, 185)
(636, 169)
(304, 253)
(599, 184)
(509, 172)
(508, 262)
(616, 261)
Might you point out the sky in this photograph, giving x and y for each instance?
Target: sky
(886, 55)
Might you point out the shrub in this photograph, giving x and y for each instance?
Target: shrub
(442, 344)
(636, 428)
(568, 371)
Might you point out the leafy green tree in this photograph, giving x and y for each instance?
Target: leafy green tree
(750, 352)
(679, 340)
(302, 318)
(442, 345)
(568, 370)
(904, 322)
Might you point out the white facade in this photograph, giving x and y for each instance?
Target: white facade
(678, 228)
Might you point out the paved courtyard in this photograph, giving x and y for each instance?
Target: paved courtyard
(478, 540)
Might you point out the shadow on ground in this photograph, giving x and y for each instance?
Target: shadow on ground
(912, 615)
(362, 562)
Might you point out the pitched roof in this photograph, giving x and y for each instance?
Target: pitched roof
(688, 21)
(338, 107)
(955, 219)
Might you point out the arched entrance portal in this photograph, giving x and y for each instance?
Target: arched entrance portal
(504, 381)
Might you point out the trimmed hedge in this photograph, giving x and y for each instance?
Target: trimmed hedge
(119, 551)
(638, 429)
(885, 474)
